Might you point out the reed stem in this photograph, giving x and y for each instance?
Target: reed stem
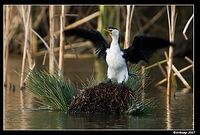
(62, 39)
(6, 40)
(26, 26)
(51, 31)
(171, 39)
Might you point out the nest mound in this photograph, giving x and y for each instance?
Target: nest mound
(102, 98)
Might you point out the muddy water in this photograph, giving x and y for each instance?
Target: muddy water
(176, 114)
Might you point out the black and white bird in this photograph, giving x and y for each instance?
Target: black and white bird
(142, 48)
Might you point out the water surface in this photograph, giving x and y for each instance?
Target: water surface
(174, 114)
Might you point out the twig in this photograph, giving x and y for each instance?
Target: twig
(186, 26)
(188, 59)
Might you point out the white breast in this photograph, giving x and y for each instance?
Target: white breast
(117, 68)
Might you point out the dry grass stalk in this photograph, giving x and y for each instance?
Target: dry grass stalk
(62, 39)
(51, 31)
(44, 60)
(75, 24)
(181, 77)
(180, 71)
(154, 19)
(171, 39)
(162, 70)
(100, 18)
(86, 19)
(80, 56)
(75, 45)
(6, 40)
(26, 26)
(178, 74)
(186, 26)
(31, 59)
(29, 73)
(143, 80)
(126, 42)
(118, 17)
(48, 49)
(188, 59)
(153, 65)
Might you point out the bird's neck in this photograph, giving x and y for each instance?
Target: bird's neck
(115, 39)
(115, 44)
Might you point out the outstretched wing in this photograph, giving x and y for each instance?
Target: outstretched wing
(143, 48)
(93, 35)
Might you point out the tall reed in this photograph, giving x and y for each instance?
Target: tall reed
(171, 39)
(128, 25)
(62, 39)
(6, 40)
(51, 31)
(26, 19)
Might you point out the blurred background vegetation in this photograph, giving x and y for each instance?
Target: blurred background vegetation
(148, 20)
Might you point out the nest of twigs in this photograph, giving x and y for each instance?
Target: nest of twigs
(102, 98)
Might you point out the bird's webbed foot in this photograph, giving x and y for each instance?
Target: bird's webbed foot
(108, 82)
(121, 86)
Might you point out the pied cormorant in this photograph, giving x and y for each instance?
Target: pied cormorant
(142, 48)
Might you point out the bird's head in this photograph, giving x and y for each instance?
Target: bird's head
(114, 32)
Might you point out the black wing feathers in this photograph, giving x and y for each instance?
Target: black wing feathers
(93, 35)
(143, 48)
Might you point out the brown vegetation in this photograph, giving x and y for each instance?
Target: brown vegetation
(102, 98)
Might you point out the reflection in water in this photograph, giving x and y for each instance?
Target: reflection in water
(174, 114)
(168, 112)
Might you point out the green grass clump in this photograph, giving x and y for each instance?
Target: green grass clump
(54, 91)
(142, 104)
(51, 90)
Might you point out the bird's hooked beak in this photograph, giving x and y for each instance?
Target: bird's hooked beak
(109, 31)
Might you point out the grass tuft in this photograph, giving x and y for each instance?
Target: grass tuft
(51, 90)
(142, 104)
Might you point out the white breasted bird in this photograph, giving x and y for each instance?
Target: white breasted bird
(142, 48)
